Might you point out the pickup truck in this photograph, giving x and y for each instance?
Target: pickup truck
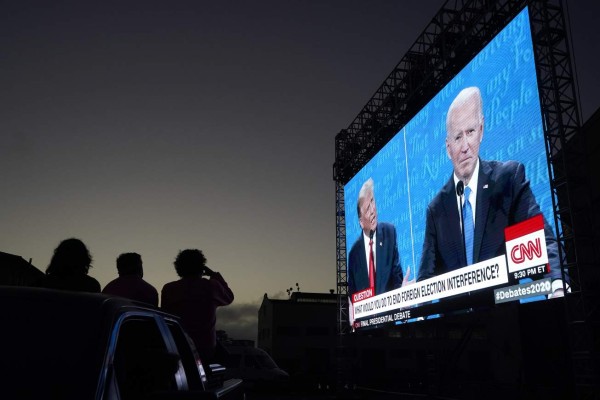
(68, 345)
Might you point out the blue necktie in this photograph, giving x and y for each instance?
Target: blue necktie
(468, 227)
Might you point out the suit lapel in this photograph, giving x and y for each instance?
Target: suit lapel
(378, 246)
(453, 221)
(362, 277)
(483, 205)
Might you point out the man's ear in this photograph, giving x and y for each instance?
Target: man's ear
(481, 128)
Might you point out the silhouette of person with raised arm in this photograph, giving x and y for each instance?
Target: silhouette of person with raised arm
(68, 269)
(195, 299)
(130, 283)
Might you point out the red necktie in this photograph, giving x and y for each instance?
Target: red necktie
(371, 265)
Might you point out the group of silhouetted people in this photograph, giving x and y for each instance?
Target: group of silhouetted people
(193, 298)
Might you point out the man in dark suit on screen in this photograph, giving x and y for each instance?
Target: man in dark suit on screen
(498, 195)
(373, 261)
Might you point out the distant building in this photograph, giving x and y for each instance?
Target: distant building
(300, 334)
(15, 271)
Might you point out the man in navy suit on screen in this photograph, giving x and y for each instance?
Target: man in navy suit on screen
(499, 196)
(373, 261)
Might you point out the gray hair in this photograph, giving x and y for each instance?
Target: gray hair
(367, 187)
(465, 96)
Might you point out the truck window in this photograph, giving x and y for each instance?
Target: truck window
(189, 356)
(142, 362)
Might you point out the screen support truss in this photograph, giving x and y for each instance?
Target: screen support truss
(568, 165)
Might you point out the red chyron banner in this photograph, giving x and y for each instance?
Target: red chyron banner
(526, 244)
(363, 294)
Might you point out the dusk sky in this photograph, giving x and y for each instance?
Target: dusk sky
(156, 126)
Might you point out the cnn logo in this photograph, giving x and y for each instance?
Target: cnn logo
(526, 251)
(526, 244)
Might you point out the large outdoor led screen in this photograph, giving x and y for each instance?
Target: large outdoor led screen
(493, 138)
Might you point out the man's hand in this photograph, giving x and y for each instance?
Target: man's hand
(556, 294)
(405, 280)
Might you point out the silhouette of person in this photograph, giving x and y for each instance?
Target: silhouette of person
(68, 268)
(379, 240)
(130, 283)
(500, 196)
(195, 299)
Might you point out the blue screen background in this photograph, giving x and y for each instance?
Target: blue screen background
(410, 170)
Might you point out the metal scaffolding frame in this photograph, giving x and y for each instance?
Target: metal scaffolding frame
(568, 165)
(455, 35)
